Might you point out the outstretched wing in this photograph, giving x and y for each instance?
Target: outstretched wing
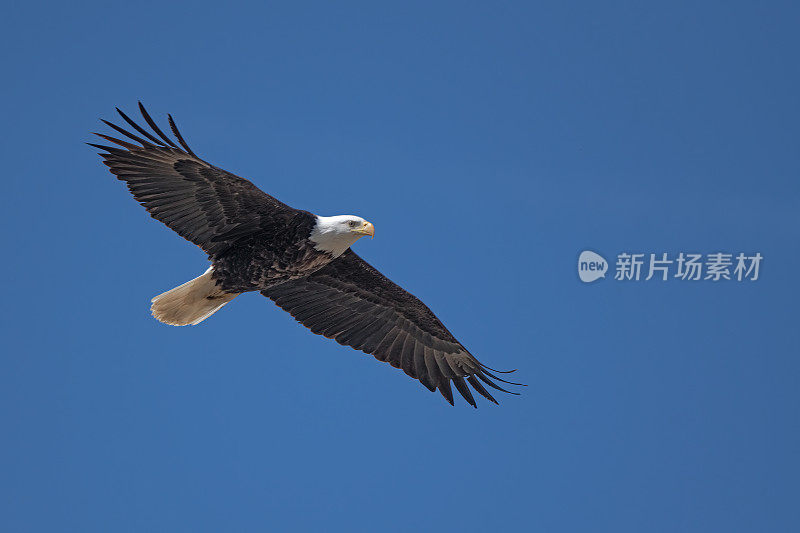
(351, 302)
(202, 203)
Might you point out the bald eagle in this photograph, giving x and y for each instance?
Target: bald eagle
(299, 260)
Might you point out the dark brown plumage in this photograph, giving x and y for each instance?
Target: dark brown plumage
(351, 302)
(256, 242)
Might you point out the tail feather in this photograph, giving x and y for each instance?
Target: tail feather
(190, 303)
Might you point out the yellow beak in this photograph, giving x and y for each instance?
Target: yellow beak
(366, 229)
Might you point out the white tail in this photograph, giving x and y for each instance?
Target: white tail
(190, 303)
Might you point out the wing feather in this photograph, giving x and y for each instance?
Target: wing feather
(354, 304)
(202, 203)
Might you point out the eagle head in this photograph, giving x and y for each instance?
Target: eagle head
(336, 234)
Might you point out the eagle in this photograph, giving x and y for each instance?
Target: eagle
(299, 260)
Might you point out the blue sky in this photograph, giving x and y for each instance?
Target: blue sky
(490, 144)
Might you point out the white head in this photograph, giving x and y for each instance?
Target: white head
(336, 234)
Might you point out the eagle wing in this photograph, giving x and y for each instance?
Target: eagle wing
(353, 303)
(205, 205)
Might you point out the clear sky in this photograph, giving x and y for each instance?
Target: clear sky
(490, 143)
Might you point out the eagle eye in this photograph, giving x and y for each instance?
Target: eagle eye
(352, 223)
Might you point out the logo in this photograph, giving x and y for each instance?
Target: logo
(684, 266)
(591, 266)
